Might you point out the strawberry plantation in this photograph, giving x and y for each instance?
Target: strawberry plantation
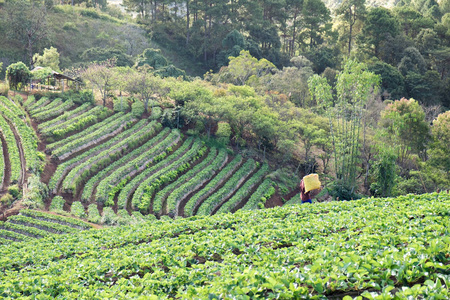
(373, 248)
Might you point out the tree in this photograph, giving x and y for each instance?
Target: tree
(354, 86)
(379, 23)
(101, 76)
(351, 11)
(17, 75)
(406, 128)
(144, 84)
(392, 80)
(152, 58)
(412, 61)
(27, 23)
(50, 58)
(439, 154)
(315, 17)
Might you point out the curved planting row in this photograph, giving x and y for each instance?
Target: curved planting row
(68, 115)
(159, 202)
(3, 162)
(64, 168)
(13, 150)
(244, 191)
(53, 112)
(36, 104)
(30, 100)
(197, 180)
(144, 193)
(219, 179)
(12, 107)
(260, 196)
(84, 120)
(98, 162)
(45, 108)
(221, 195)
(134, 164)
(27, 138)
(111, 127)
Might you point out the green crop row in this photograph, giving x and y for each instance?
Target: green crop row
(42, 225)
(232, 184)
(144, 192)
(55, 219)
(96, 163)
(394, 248)
(117, 125)
(54, 112)
(151, 186)
(13, 236)
(82, 121)
(87, 131)
(196, 179)
(40, 103)
(130, 164)
(12, 107)
(46, 108)
(260, 196)
(160, 162)
(68, 115)
(162, 195)
(212, 185)
(30, 100)
(2, 163)
(64, 168)
(244, 191)
(13, 150)
(25, 230)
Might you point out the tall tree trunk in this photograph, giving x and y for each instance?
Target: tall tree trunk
(187, 22)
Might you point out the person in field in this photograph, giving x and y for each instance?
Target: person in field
(305, 196)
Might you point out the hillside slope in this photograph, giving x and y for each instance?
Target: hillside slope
(394, 247)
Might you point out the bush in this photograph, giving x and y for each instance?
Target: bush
(137, 109)
(339, 191)
(18, 75)
(6, 199)
(223, 133)
(78, 210)
(120, 104)
(93, 215)
(70, 26)
(156, 113)
(57, 204)
(14, 190)
(37, 192)
(90, 13)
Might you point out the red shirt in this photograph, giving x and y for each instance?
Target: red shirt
(304, 196)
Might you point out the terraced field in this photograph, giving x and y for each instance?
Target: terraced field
(114, 168)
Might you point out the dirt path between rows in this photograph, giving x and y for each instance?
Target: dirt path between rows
(7, 171)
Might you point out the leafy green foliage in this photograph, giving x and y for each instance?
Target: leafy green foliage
(18, 75)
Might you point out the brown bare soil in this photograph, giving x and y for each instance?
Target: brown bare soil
(7, 171)
(274, 201)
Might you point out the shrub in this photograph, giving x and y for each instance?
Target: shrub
(70, 26)
(57, 203)
(18, 75)
(156, 113)
(137, 109)
(37, 192)
(78, 210)
(6, 199)
(223, 133)
(120, 104)
(14, 190)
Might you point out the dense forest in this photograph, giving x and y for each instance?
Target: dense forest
(355, 91)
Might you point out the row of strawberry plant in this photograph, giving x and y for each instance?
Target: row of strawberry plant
(56, 111)
(88, 140)
(71, 222)
(73, 138)
(212, 185)
(25, 230)
(13, 150)
(40, 103)
(48, 107)
(208, 205)
(12, 236)
(161, 196)
(68, 115)
(94, 164)
(397, 245)
(133, 164)
(2, 163)
(128, 185)
(12, 107)
(244, 191)
(82, 121)
(260, 196)
(199, 178)
(30, 100)
(28, 139)
(165, 176)
(64, 168)
(42, 225)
